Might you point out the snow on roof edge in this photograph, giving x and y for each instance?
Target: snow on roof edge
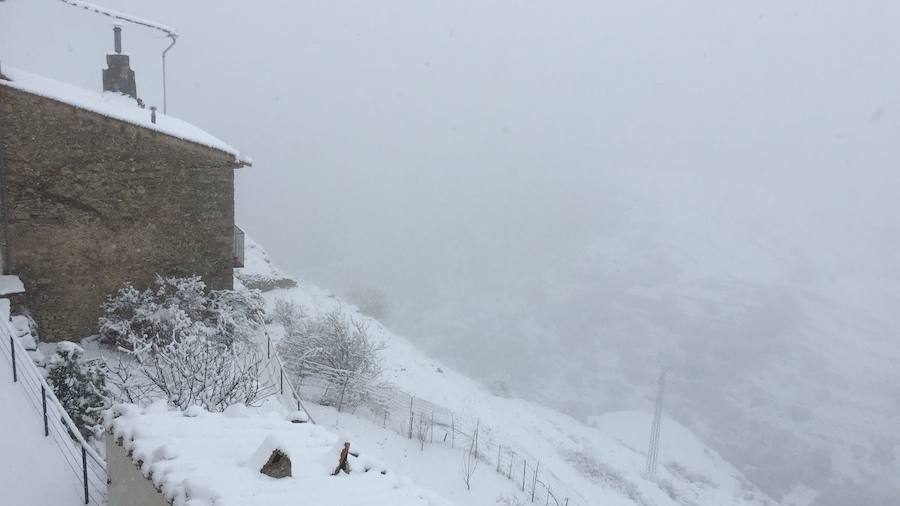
(116, 107)
(122, 16)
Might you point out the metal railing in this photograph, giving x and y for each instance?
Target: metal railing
(237, 248)
(432, 424)
(277, 375)
(87, 465)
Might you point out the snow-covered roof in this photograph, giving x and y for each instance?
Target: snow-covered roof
(215, 458)
(11, 285)
(114, 105)
(122, 16)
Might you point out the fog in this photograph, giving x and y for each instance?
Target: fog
(563, 196)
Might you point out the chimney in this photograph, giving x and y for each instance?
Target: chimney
(118, 76)
(117, 36)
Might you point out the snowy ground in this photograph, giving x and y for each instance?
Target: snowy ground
(33, 471)
(602, 464)
(203, 459)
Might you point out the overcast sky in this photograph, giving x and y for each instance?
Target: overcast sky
(508, 171)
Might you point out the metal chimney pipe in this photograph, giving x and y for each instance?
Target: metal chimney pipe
(117, 36)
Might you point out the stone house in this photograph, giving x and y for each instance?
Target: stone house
(97, 191)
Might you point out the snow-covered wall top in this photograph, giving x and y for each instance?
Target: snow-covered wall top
(200, 458)
(114, 106)
(10, 285)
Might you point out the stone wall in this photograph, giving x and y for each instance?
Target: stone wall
(95, 202)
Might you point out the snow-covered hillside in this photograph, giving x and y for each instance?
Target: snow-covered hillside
(598, 464)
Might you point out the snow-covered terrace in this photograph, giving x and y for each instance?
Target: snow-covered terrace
(199, 458)
(115, 106)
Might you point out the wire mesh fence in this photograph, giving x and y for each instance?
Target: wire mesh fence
(85, 463)
(429, 424)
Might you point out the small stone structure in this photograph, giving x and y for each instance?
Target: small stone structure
(278, 465)
(89, 202)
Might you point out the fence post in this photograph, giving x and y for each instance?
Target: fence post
(524, 465)
(44, 403)
(268, 347)
(512, 456)
(87, 498)
(453, 431)
(410, 416)
(534, 483)
(567, 501)
(499, 449)
(12, 348)
(477, 428)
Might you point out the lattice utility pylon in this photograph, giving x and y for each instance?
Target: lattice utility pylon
(653, 450)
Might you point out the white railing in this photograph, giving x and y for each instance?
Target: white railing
(87, 465)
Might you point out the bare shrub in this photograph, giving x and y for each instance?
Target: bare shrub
(332, 348)
(470, 461)
(180, 342)
(191, 371)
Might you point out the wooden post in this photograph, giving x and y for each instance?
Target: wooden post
(410, 416)
(452, 429)
(524, 465)
(534, 482)
(499, 449)
(477, 427)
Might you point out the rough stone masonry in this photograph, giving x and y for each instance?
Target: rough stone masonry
(92, 203)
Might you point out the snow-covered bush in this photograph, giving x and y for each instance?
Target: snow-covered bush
(291, 316)
(333, 348)
(183, 343)
(79, 385)
(176, 307)
(191, 371)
